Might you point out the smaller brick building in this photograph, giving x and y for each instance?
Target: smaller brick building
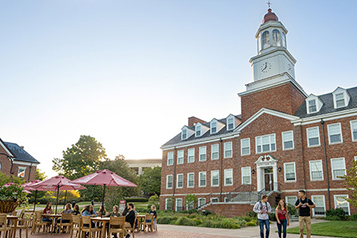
(23, 164)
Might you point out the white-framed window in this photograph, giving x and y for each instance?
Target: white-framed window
(340, 100)
(213, 127)
(169, 181)
(184, 134)
(288, 140)
(190, 205)
(341, 202)
(228, 177)
(316, 171)
(338, 167)
(21, 172)
(228, 149)
(354, 130)
(290, 172)
(290, 200)
(191, 155)
(203, 154)
(168, 204)
(246, 175)
(245, 146)
(201, 201)
(190, 180)
(178, 204)
(170, 158)
(180, 155)
(230, 123)
(265, 143)
(334, 133)
(214, 200)
(179, 182)
(312, 105)
(215, 178)
(319, 201)
(198, 130)
(313, 136)
(202, 177)
(214, 151)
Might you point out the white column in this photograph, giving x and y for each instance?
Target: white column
(259, 179)
(140, 170)
(275, 177)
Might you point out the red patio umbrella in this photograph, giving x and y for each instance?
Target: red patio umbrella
(27, 186)
(9, 184)
(104, 177)
(56, 183)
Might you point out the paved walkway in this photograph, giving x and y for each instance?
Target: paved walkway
(171, 231)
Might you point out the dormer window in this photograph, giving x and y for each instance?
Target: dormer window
(198, 130)
(312, 105)
(340, 100)
(184, 134)
(230, 125)
(213, 127)
(340, 97)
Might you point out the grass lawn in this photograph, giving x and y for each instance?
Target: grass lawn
(345, 229)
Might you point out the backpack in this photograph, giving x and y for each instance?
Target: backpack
(261, 205)
(307, 201)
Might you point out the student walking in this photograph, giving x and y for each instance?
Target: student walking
(304, 205)
(282, 217)
(263, 208)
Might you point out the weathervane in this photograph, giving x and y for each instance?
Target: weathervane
(269, 3)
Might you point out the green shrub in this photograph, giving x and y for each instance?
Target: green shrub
(166, 220)
(353, 217)
(272, 216)
(246, 218)
(251, 214)
(339, 212)
(333, 218)
(251, 223)
(198, 221)
(135, 199)
(154, 200)
(184, 221)
(292, 210)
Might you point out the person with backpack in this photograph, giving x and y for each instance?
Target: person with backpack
(282, 217)
(304, 205)
(263, 208)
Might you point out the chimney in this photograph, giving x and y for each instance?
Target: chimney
(193, 121)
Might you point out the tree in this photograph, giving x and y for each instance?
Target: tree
(4, 179)
(40, 175)
(80, 159)
(351, 182)
(150, 181)
(191, 201)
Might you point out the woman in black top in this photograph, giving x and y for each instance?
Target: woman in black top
(76, 210)
(130, 216)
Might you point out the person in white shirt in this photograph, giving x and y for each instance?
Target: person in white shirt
(263, 208)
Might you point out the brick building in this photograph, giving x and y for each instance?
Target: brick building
(284, 140)
(23, 165)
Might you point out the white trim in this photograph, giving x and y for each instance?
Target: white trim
(326, 117)
(270, 143)
(241, 146)
(214, 171)
(323, 202)
(307, 136)
(167, 181)
(5, 148)
(315, 190)
(24, 163)
(199, 179)
(225, 184)
(328, 132)
(344, 195)
(176, 201)
(290, 181)
(332, 167)
(282, 139)
(188, 179)
(261, 112)
(322, 170)
(351, 122)
(177, 180)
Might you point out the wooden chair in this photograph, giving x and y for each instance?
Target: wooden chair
(23, 224)
(86, 226)
(76, 225)
(149, 222)
(38, 223)
(130, 228)
(117, 225)
(65, 222)
(4, 229)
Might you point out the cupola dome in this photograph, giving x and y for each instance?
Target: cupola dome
(270, 16)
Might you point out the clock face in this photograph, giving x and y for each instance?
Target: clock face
(266, 66)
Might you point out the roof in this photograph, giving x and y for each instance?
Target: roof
(177, 139)
(20, 154)
(328, 106)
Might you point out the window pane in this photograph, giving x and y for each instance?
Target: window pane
(276, 38)
(265, 40)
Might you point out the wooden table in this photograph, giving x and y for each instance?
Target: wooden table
(140, 220)
(15, 220)
(54, 218)
(104, 221)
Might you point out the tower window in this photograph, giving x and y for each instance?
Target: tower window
(283, 39)
(276, 38)
(265, 40)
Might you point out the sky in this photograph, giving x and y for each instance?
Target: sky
(130, 73)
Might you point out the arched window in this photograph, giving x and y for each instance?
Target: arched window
(276, 38)
(283, 39)
(265, 40)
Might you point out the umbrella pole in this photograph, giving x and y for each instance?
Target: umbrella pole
(103, 201)
(65, 200)
(34, 205)
(57, 197)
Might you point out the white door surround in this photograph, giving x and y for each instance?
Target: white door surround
(266, 161)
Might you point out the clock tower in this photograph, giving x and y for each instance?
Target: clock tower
(273, 71)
